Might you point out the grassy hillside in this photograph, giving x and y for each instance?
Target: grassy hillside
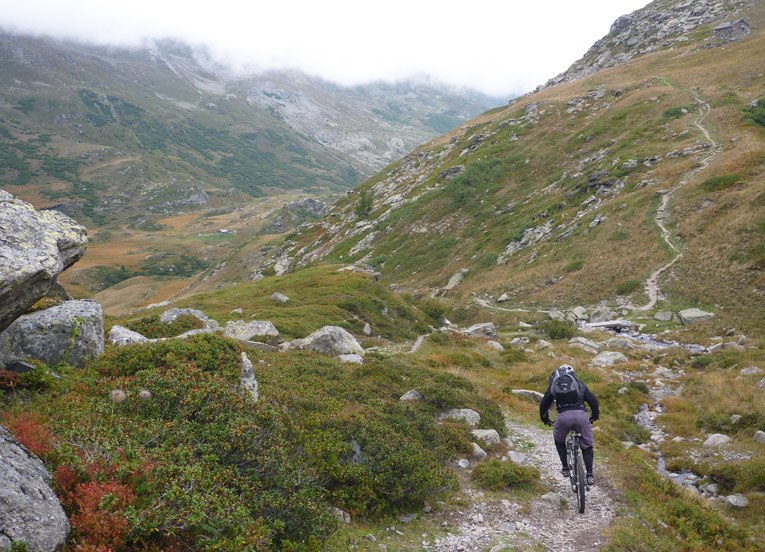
(553, 199)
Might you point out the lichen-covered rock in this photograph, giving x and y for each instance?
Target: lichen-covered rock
(279, 297)
(412, 395)
(535, 396)
(35, 247)
(601, 314)
(71, 332)
(485, 329)
(247, 379)
(330, 340)
(691, 316)
(467, 415)
(716, 440)
(119, 336)
(488, 436)
(609, 358)
(247, 331)
(30, 513)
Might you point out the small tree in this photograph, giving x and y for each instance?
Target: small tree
(364, 206)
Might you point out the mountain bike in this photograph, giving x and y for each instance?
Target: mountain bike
(576, 468)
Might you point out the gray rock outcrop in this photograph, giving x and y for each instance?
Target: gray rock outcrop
(467, 415)
(412, 395)
(35, 247)
(586, 344)
(330, 340)
(485, 329)
(170, 316)
(248, 331)
(29, 510)
(279, 298)
(609, 358)
(247, 379)
(601, 314)
(535, 396)
(71, 332)
(489, 437)
(716, 440)
(691, 316)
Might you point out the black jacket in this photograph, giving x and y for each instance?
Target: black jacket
(589, 398)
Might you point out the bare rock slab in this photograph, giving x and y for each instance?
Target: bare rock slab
(71, 332)
(609, 358)
(35, 247)
(119, 336)
(467, 415)
(691, 316)
(30, 512)
(716, 440)
(247, 331)
(330, 340)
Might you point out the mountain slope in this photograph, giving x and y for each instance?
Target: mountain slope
(553, 199)
(119, 133)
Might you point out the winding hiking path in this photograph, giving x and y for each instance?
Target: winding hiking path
(652, 284)
(538, 525)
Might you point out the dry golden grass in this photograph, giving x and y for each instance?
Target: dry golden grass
(137, 292)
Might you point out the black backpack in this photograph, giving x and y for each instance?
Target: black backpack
(565, 388)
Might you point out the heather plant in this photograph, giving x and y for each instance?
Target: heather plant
(152, 328)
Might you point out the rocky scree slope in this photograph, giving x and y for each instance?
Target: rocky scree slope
(112, 133)
(552, 198)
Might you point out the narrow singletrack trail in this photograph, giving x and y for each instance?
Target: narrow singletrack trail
(652, 284)
(538, 524)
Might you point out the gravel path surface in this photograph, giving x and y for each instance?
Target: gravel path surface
(502, 524)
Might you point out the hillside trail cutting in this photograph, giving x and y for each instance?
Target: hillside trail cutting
(537, 524)
(652, 284)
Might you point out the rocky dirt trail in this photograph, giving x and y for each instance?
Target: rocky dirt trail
(652, 284)
(541, 524)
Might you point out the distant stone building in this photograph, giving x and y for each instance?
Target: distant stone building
(732, 30)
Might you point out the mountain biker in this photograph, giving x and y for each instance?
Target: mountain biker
(571, 414)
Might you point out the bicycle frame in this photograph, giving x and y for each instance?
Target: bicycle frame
(576, 468)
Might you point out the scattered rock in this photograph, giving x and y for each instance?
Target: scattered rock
(516, 457)
(535, 396)
(542, 344)
(586, 344)
(478, 452)
(495, 345)
(353, 359)
(279, 298)
(503, 298)
(738, 501)
(463, 463)
(35, 247)
(485, 329)
(553, 498)
(609, 358)
(691, 316)
(330, 340)
(71, 332)
(621, 343)
(30, 513)
(247, 331)
(341, 516)
(467, 415)
(367, 329)
(119, 336)
(716, 440)
(170, 316)
(665, 316)
(751, 371)
(490, 437)
(601, 314)
(247, 379)
(557, 315)
(412, 395)
(759, 436)
(454, 281)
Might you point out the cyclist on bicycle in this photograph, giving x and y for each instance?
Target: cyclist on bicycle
(570, 396)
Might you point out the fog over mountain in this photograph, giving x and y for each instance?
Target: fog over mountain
(499, 48)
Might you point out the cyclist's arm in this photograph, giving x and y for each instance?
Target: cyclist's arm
(592, 400)
(544, 406)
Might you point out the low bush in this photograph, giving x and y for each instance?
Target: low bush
(573, 266)
(628, 286)
(721, 182)
(756, 113)
(152, 328)
(740, 477)
(558, 329)
(513, 356)
(496, 475)
(675, 112)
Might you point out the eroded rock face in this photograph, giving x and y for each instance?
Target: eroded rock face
(35, 247)
(29, 510)
(72, 331)
(247, 331)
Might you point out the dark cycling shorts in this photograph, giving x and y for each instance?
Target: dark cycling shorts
(577, 419)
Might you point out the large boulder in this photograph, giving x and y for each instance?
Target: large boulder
(71, 332)
(120, 336)
(691, 316)
(247, 331)
(609, 358)
(330, 340)
(35, 247)
(485, 329)
(171, 315)
(29, 510)
(601, 314)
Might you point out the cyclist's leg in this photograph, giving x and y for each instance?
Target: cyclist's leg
(561, 448)
(588, 454)
(560, 431)
(586, 441)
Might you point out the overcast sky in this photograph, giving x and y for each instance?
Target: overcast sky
(501, 47)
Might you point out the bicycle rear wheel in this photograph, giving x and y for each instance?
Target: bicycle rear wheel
(580, 480)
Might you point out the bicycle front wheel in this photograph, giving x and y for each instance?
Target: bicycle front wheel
(580, 481)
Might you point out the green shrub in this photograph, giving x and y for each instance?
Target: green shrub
(558, 329)
(496, 475)
(675, 112)
(152, 328)
(737, 477)
(573, 266)
(628, 286)
(513, 356)
(721, 182)
(702, 362)
(756, 113)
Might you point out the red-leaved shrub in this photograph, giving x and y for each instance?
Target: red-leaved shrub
(31, 432)
(99, 515)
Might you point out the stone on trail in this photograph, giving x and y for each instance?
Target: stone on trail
(29, 510)
(691, 316)
(553, 498)
(72, 332)
(35, 247)
(716, 440)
